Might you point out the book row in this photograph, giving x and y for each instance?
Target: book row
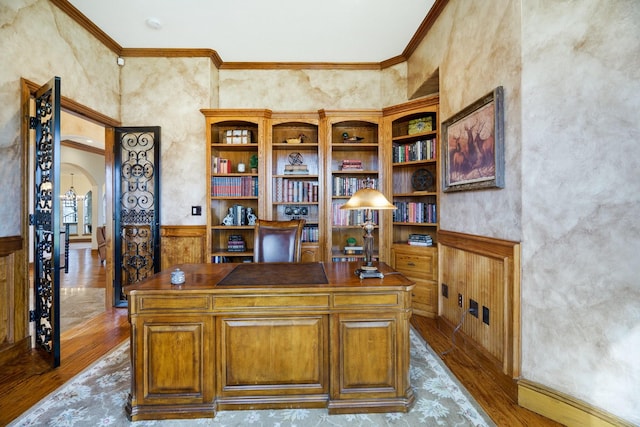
(234, 186)
(295, 191)
(310, 233)
(344, 217)
(415, 212)
(419, 150)
(347, 185)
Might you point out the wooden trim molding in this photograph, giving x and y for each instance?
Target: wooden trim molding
(74, 107)
(563, 408)
(9, 245)
(66, 7)
(300, 66)
(173, 53)
(424, 28)
(82, 147)
(88, 25)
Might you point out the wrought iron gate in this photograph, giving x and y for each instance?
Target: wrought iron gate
(46, 220)
(136, 207)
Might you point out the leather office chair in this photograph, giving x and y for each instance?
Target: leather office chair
(278, 241)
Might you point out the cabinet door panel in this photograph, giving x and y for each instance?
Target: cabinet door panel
(367, 362)
(270, 356)
(175, 361)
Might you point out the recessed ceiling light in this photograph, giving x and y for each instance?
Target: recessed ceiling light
(154, 23)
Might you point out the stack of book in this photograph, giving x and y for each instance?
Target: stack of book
(296, 170)
(351, 165)
(235, 243)
(420, 240)
(353, 250)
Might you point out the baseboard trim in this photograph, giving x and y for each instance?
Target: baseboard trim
(563, 408)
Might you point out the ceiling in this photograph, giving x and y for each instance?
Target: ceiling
(335, 31)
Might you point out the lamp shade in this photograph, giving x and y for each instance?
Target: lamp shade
(368, 198)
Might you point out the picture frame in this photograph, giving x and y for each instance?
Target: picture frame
(473, 145)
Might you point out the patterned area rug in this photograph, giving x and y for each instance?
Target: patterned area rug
(97, 396)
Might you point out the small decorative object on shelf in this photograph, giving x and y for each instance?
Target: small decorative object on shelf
(422, 180)
(238, 136)
(347, 138)
(296, 165)
(253, 163)
(423, 124)
(295, 212)
(299, 140)
(237, 215)
(251, 217)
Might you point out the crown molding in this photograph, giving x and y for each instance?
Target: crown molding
(300, 66)
(424, 28)
(88, 25)
(111, 44)
(172, 53)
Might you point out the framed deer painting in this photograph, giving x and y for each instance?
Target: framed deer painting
(473, 146)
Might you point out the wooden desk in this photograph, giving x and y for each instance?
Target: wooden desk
(235, 337)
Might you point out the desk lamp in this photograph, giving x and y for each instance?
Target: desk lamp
(368, 199)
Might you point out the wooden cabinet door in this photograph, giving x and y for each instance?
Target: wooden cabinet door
(369, 359)
(273, 356)
(177, 366)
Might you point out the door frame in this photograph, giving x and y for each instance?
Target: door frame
(28, 90)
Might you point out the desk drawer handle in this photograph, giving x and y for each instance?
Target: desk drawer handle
(411, 264)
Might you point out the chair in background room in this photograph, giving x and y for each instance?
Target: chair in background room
(101, 237)
(278, 241)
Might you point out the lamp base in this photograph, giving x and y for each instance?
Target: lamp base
(368, 273)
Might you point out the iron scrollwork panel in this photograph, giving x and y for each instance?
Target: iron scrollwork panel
(46, 220)
(139, 216)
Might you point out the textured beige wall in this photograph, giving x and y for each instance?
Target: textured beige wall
(308, 90)
(581, 198)
(38, 42)
(571, 74)
(169, 92)
(572, 185)
(476, 47)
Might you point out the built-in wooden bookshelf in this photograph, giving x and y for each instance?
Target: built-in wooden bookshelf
(311, 163)
(411, 141)
(295, 159)
(352, 139)
(234, 138)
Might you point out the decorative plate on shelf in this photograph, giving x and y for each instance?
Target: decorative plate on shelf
(422, 180)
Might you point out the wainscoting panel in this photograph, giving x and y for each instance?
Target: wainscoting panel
(182, 244)
(487, 271)
(14, 299)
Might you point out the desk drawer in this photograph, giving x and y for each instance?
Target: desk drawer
(276, 302)
(365, 300)
(421, 265)
(168, 303)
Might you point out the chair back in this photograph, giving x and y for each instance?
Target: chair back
(278, 241)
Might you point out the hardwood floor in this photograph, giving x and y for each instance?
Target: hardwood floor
(27, 381)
